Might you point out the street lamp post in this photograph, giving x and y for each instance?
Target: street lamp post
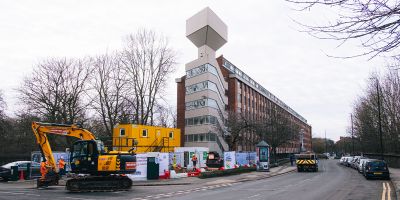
(326, 146)
(379, 117)
(352, 134)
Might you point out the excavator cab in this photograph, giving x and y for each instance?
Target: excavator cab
(84, 156)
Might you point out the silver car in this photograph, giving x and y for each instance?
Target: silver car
(348, 161)
(361, 163)
(354, 162)
(343, 160)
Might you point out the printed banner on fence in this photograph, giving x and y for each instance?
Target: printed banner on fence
(141, 166)
(163, 160)
(242, 158)
(229, 159)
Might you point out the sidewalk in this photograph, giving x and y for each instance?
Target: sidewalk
(395, 177)
(251, 176)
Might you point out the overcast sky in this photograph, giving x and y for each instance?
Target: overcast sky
(263, 41)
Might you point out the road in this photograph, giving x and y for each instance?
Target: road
(331, 182)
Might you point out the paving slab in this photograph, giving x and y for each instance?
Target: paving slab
(395, 178)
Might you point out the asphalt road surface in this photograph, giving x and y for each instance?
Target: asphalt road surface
(331, 182)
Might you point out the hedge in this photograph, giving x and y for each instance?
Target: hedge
(227, 172)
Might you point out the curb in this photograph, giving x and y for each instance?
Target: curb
(235, 181)
(396, 189)
(154, 184)
(263, 177)
(277, 173)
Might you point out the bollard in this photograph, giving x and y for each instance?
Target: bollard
(14, 173)
(21, 175)
(28, 171)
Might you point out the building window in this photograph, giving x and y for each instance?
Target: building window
(201, 86)
(201, 103)
(171, 134)
(200, 70)
(190, 138)
(122, 132)
(144, 133)
(212, 137)
(213, 120)
(202, 138)
(200, 120)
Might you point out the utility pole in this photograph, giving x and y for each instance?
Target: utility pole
(326, 146)
(379, 117)
(352, 134)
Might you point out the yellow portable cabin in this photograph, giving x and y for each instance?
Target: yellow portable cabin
(149, 138)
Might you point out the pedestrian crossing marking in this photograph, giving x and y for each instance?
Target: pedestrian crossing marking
(182, 192)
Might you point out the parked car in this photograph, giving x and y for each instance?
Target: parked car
(5, 170)
(376, 169)
(322, 156)
(348, 161)
(354, 163)
(342, 160)
(361, 162)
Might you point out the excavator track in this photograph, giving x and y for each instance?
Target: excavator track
(99, 184)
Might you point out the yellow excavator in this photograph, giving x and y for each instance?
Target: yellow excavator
(94, 169)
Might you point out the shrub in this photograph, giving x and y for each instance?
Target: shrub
(210, 174)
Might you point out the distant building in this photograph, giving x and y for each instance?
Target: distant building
(213, 86)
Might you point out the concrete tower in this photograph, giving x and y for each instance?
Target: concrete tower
(205, 98)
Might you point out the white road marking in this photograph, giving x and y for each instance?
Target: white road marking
(388, 191)
(14, 193)
(383, 191)
(36, 195)
(182, 192)
(253, 196)
(78, 198)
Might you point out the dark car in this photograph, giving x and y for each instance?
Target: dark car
(5, 170)
(376, 169)
(214, 160)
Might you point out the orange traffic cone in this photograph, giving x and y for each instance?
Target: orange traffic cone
(21, 175)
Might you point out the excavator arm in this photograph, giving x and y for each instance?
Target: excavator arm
(42, 129)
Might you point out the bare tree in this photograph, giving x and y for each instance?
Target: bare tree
(239, 128)
(390, 89)
(54, 90)
(375, 23)
(3, 118)
(109, 82)
(149, 61)
(165, 116)
(277, 129)
(366, 114)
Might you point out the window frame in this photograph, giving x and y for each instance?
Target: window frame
(120, 131)
(143, 131)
